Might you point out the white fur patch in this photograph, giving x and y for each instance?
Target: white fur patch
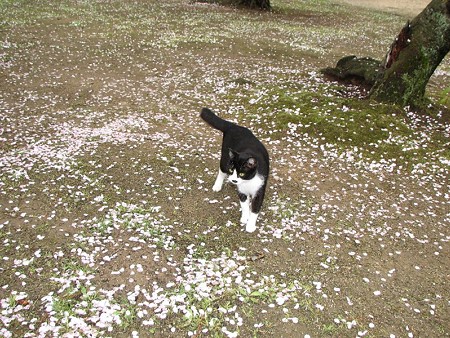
(233, 178)
(250, 187)
(219, 181)
(245, 209)
(251, 224)
(247, 187)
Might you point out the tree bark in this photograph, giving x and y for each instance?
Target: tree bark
(416, 52)
(255, 4)
(260, 4)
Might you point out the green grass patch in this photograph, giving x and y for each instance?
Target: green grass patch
(341, 123)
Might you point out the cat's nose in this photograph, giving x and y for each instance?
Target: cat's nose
(234, 181)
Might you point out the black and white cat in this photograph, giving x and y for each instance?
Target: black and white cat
(245, 162)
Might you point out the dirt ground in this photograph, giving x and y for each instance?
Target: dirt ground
(108, 223)
(404, 7)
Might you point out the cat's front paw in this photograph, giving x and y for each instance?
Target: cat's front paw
(251, 223)
(217, 187)
(250, 228)
(245, 213)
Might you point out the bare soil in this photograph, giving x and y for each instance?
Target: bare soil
(109, 226)
(403, 7)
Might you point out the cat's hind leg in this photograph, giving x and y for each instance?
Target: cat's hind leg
(221, 176)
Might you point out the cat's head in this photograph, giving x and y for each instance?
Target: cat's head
(241, 167)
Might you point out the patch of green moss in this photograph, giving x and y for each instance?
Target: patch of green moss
(328, 114)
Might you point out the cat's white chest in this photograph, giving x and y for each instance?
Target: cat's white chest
(251, 187)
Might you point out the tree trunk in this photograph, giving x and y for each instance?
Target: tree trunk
(419, 48)
(254, 4)
(260, 4)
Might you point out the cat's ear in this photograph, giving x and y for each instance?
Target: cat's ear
(232, 153)
(251, 163)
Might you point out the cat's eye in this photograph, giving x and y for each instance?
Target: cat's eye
(230, 170)
(241, 174)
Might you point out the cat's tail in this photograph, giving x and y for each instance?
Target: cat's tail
(215, 121)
